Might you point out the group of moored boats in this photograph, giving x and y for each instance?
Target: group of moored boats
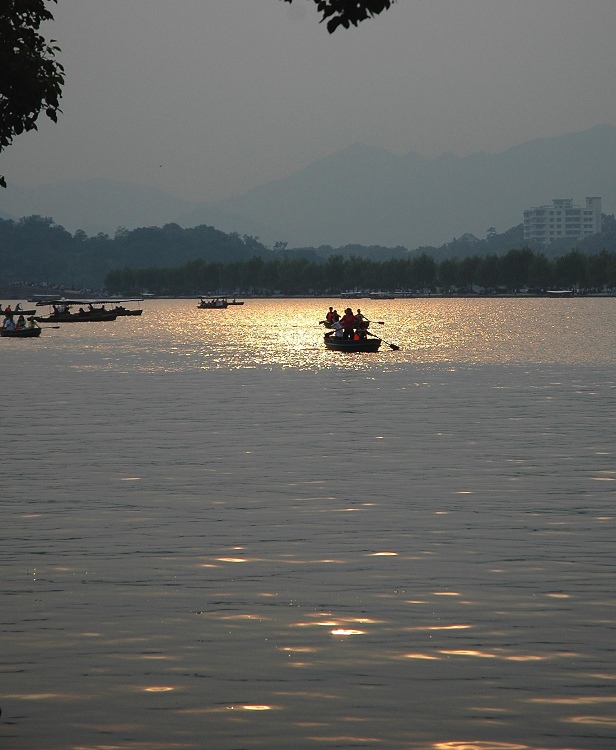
(20, 323)
(63, 310)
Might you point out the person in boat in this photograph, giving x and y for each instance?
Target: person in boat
(9, 324)
(361, 325)
(8, 313)
(348, 324)
(336, 316)
(329, 318)
(21, 323)
(337, 331)
(32, 323)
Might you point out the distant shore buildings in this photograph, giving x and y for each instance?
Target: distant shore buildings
(562, 220)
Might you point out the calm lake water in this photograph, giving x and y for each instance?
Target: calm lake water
(217, 534)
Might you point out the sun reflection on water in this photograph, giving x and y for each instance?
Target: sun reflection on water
(174, 335)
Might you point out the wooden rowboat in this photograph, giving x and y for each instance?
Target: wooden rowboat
(20, 333)
(338, 344)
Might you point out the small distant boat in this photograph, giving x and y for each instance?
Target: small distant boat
(559, 293)
(122, 311)
(382, 295)
(20, 333)
(351, 295)
(214, 303)
(339, 344)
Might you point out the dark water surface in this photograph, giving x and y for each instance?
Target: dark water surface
(215, 534)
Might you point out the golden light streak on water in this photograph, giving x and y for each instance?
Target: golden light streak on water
(243, 617)
(527, 657)
(419, 655)
(285, 333)
(351, 740)
(600, 721)
(382, 554)
(43, 696)
(342, 631)
(468, 652)
(584, 700)
(158, 689)
(256, 707)
(480, 745)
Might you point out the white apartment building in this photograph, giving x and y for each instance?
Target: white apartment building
(562, 220)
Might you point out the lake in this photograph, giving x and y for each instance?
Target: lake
(218, 534)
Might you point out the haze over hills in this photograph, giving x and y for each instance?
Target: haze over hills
(362, 195)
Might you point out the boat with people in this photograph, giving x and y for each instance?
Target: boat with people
(21, 333)
(213, 303)
(61, 311)
(18, 327)
(121, 311)
(350, 332)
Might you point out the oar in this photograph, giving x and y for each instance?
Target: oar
(378, 322)
(391, 346)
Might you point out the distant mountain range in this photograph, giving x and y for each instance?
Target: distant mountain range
(360, 195)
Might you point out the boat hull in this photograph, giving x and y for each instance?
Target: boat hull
(87, 317)
(337, 344)
(125, 313)
(21, 333)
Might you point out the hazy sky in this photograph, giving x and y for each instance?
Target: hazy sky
(208, 98)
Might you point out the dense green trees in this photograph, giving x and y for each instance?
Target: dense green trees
(516, 270)
(35, 249)
(31, 79)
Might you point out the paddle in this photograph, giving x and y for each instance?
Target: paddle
(378, 322)
(391, 346)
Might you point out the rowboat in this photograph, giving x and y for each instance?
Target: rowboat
(19, 311)
(339, 344)
(20, 333)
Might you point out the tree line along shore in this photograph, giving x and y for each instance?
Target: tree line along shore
(39, 256)
(511, 273)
